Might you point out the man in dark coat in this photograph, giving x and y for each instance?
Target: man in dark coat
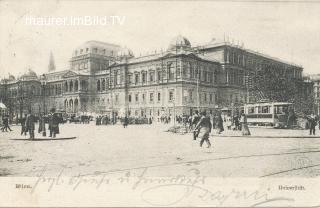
(312, 124)
(23, 125)
(236, 122)
(125, 122)
(30, 125)
(204, 126)
(220, 123)
(195, 121)
(53, 123)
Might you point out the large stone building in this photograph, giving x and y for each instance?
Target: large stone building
(105, 78)
(316, 90)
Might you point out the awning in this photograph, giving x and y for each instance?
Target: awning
(2, 106)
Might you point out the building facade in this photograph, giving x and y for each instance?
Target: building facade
(316, 90)
(108, 79)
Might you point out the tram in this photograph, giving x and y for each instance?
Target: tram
(268, 113)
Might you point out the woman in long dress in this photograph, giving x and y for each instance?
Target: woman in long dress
(244, 125)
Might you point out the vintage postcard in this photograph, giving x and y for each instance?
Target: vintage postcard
(159, 103)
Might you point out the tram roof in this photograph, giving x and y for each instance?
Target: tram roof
(268, 103)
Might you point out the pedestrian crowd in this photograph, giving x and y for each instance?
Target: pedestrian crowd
(28, 122)
(202, 125)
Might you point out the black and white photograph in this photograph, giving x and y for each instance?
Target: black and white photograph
(159, 103)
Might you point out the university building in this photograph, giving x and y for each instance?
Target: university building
(105, 78)
(315, 78)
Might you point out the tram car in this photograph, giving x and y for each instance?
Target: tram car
(268, 113)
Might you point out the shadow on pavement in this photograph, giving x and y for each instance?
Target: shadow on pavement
(45, 139)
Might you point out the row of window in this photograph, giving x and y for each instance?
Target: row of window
(94, 50)
(151, 97)
(245, 61)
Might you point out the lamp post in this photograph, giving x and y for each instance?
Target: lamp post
(20, 98)
(43, 84)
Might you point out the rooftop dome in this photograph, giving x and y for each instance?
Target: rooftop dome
(11, 77)
(179, 42)
(29, 75)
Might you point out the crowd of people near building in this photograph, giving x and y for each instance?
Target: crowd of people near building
(200, 124)
(125, 120)
(29, 121)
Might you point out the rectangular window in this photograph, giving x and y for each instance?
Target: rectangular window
(159, 96)
(178, 72)
(171, 96)
(144, 77)
(151, 97)
(251, 110)
(151, 76)
(211, 98)
(137, 97)
(136, 78)
(159, 75)
(130, 78)
(143, 97)
(129, 98)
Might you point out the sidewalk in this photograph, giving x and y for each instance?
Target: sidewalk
(269, 133)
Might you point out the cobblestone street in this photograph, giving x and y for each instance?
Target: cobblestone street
(99, 149)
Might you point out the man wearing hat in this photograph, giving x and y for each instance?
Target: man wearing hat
(204, 126)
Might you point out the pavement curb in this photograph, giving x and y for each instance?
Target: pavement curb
(45, 139)
(250, 136)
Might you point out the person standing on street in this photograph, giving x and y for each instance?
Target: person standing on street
(23, 125)
(6, 123)
(30, 125)
(312, 124)
(204, 126)
(220, 123)
(53, 123)
(125, 122)
(195, 120)
(244, 125)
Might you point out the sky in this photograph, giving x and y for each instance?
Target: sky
(289, 30)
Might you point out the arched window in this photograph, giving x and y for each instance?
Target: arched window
(71, 105)
(98, 85)
(65, 104)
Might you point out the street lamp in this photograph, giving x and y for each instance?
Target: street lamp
(20, 97)
(43, 84)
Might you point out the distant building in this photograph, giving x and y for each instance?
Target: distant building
(105, 78)
(316, 90)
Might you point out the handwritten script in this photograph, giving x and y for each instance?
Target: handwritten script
(162, 191)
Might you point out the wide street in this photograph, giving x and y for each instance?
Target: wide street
(100, 149)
